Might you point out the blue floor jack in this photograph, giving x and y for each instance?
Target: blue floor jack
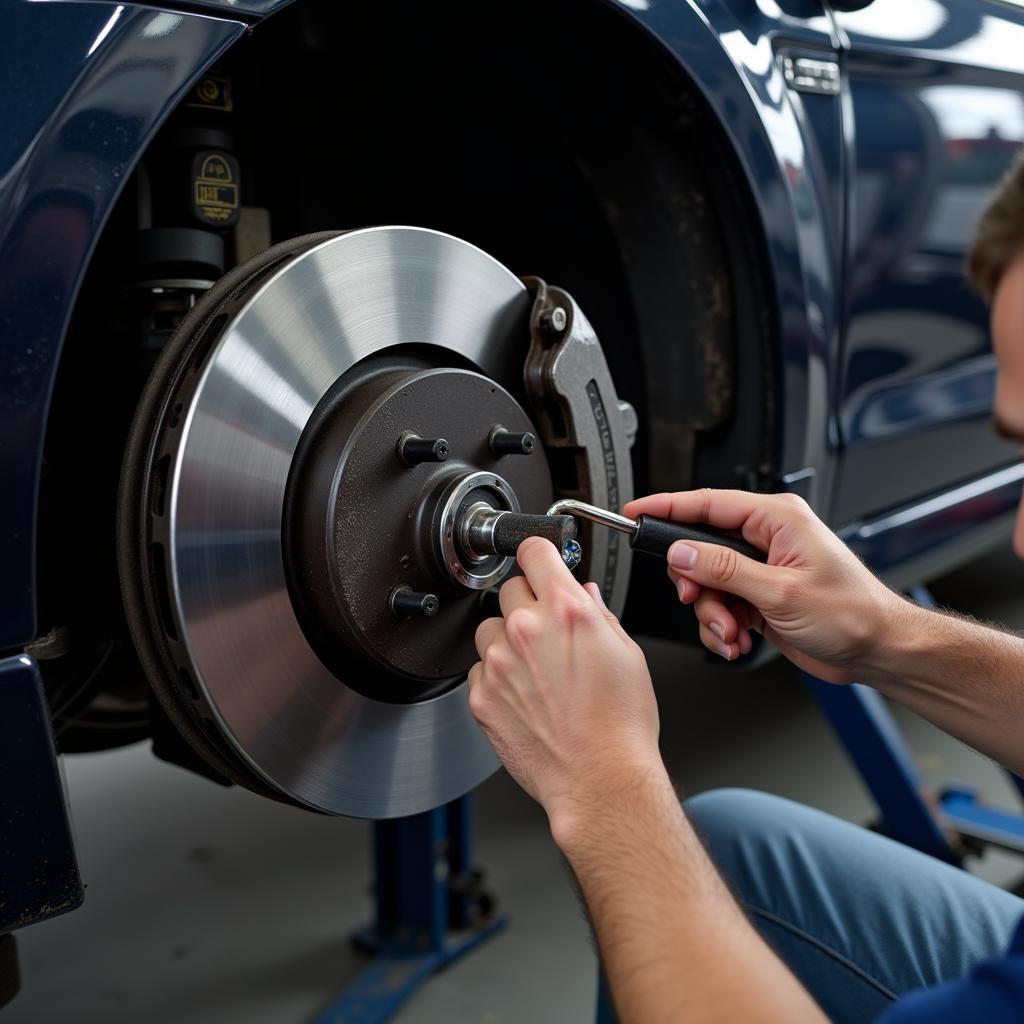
(948, 824)
(431, 909)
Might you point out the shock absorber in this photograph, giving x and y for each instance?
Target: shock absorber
(188, 193)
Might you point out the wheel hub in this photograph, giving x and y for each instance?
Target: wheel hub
(362, 522)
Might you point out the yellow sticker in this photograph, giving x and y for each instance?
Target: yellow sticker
(216, 191)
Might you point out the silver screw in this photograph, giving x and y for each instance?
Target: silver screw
(554, 320)
(572, 553)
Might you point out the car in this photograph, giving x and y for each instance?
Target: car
(240, 240)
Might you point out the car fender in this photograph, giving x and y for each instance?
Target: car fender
(736, 68)
(95, 82)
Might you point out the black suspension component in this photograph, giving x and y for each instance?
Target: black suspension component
(188, 200)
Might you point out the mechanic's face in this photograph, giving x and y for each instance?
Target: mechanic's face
(1008, 342)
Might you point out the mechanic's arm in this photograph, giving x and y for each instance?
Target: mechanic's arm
(566, 699)
(826, 612)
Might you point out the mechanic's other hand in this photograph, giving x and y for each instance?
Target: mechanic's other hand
(562, 693)
(814, 599)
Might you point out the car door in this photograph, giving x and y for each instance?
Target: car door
(935, 116)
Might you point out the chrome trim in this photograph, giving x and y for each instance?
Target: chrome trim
(810, 75)
(913, 513)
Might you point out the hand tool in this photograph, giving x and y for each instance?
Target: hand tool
(651, 535)
(486, 531)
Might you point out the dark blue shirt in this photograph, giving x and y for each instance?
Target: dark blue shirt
(993, 993)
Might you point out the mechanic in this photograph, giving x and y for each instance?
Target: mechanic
(835, 920)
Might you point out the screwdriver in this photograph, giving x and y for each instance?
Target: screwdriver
(651, 535)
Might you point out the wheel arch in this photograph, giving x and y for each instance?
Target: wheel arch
(741, 80)
(734, 70)
(114, 75)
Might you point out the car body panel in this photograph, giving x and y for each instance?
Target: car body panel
(916, 542)
(98, 79)
(938, 117)
(39, 871)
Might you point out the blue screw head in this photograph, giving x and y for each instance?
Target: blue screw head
(572, 553)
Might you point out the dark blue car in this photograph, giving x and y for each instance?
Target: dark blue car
(225, 375)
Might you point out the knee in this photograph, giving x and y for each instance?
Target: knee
(743, 829)
(720, 813)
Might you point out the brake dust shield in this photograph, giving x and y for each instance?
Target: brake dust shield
(265, 517)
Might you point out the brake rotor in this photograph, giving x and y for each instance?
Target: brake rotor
(268, 518)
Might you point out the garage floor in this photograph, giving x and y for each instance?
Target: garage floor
(205, 904)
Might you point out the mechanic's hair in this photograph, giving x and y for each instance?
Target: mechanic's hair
(999, 237)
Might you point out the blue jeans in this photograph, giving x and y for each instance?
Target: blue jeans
(858, 918)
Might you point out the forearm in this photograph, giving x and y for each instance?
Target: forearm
(675, 946)
(965, 677)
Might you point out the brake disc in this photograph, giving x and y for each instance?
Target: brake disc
(267, 518)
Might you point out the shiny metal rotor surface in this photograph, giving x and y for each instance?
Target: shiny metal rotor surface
(297, 725)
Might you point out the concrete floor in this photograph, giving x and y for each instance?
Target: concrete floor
(209, 905)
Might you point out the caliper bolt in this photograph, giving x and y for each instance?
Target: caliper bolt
(406, 603)
(572, 553)
(554, 320)
(413, 449)
(510, 442)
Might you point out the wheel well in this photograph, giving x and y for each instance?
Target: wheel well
(563, 140)
(553, 134)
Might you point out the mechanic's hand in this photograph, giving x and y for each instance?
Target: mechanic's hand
(814, 600)
(563, 694)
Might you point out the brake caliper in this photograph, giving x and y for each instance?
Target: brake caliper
(586, 429)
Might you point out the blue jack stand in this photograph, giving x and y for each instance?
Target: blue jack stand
(430, 911)
(947, 825)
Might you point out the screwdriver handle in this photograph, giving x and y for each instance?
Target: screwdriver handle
(655, 536)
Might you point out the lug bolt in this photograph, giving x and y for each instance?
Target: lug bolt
(413, 449)
(406, 603)
(572, 553)
(510, 442)
(554, 320)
